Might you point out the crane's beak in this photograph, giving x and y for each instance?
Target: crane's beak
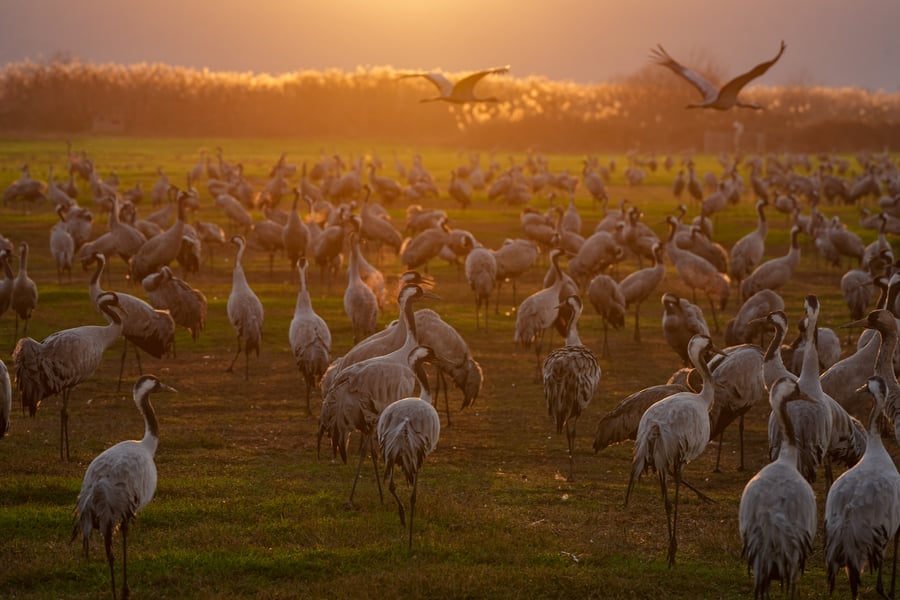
(860, 323)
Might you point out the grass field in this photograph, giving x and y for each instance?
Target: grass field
(246, 508)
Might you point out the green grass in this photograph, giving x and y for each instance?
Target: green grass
(246, 508)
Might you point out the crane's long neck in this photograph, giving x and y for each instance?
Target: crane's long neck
(353, 266)
(884, 360)
(23, 262)
(151, 426)
(304, 303)
(707, 394)
(408, 317)
(762, 226)
(112, 331)
(773, 352)
(572, 337)
(95, 290)
(809, 372)
(237, 276)
(425, 388)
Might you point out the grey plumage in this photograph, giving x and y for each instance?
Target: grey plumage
(571, 376)
(309, 336)
(681, 321)
(481, 273)
(360, 302)
(607, 298)
(408, 431)
(637, 287)
(24, 292)
(5, 399)
(773, 273)
(187, 305)
(777, 513)
(245, 311)
(62, 361)
(62, 246)
(120, 482)
(862, 510)
(162, 249)
(673, 432)
(148, 329)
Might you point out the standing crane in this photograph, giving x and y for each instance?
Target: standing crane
(571, 378)
(24, 292)
(360, 302)
(120, 482)
(777, 513)
(606, 296)
(245, 311)
(862, 510)
(481, 273)
(408, 431)
(62, 246)
(539, 310)
(63, 360)
(309, 336)
(295, 234)
(747, 252)
(673, 432)
(637, 287)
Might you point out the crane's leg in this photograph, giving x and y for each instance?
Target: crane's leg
(64, 426)
(893, 568)
(741, 435)
(570, 439)
(392, 487)
(373, 448)
(668, 507)
(719, 452)
(637, 321)
(412, 505)
(247, 364)
(230, 368)
(497, 285)
(107, 544)
(673, 541)
(712, 306)
(362, 457)
(308, 393)
(605, 352)
(125, 591)
(122, 362)
(442, 383)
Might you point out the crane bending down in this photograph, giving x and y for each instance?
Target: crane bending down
(722, 98)
(777, 514)
(245, 311)
(408, 431)
(63, 360)
(119, 482)
(571, 376)
(673, 432)
(463, 91)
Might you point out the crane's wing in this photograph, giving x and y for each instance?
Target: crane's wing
(709, 91)
(465, 85)
(734, 86)
(438, 79)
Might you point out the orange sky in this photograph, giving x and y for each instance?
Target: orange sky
(830, 42)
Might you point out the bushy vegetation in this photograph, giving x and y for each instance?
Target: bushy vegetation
(644, 110)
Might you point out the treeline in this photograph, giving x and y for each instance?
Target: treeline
(643, 111)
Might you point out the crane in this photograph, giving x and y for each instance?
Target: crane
(120, 482)
(673, 432)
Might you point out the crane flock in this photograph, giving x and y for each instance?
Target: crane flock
(379, 388)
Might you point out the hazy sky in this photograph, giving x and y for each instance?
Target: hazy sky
(830, 42)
